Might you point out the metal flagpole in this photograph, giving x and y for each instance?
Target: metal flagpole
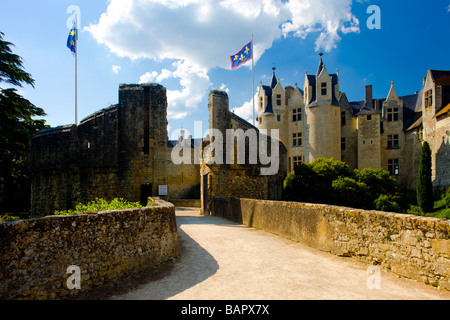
(253, 86)
(76, 71)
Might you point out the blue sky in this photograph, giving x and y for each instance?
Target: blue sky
(185, 45)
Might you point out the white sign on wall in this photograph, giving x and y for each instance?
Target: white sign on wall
(163, 190)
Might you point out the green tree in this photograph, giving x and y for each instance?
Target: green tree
(349, 192)
(424, 187)
(302, 185)
(387, 203)
(378, 182)
(17, 125)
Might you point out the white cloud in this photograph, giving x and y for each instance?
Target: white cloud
(448, 8)
(246, 110)
(148, 77)
(327, 17)
(201, 34)
(224, 87)
(194, 82)
(115, 69)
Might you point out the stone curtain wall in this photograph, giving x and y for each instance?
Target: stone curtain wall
(35, 254)
(410, 246)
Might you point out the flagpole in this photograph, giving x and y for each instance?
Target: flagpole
(253, 86)
(76, 72)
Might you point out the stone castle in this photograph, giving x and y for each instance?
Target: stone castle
(319, 121)
(121, 151)
(124, 151)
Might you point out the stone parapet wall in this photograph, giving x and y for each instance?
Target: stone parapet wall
(410, 246)
(35, 254)
(188, 203)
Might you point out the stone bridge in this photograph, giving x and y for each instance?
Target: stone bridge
(223, 260)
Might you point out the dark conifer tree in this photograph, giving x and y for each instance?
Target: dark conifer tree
(424, 187)
(17, 125)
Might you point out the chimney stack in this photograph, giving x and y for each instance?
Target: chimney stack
(369, 99)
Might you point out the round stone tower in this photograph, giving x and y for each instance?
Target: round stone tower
(322, 112)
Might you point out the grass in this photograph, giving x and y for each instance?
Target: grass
(101, 205)
(440, 209)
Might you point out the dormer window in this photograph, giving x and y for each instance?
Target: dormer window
(392, 114)
(278, 99)
(324, 88)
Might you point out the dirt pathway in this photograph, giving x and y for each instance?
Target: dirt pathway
(221, 260)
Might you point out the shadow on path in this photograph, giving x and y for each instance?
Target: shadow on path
(194, 266)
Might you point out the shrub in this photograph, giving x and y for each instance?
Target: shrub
(378, 181)
(386, 203)
(8, 218)
(414, 210)
(302, 185)
(101, 205)
(349, 192)
(329, 170)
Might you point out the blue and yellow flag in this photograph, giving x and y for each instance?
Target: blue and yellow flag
(72, 40)
(242, 56)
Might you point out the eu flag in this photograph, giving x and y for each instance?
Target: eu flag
(242, 56)
(72, 40)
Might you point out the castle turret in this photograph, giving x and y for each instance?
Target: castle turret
(322, 113)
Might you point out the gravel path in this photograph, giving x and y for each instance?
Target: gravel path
(221, 260)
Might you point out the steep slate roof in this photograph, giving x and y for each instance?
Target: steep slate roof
(274, 81)
(366, 109)
(312, 82)
(442, 78)
(321, 66)
(268, 91)
(411, 109)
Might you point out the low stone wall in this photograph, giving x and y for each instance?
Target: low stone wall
(59, 257)
(410, 246)
(189, 203)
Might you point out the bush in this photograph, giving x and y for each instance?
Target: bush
(302, 185)
(349, 192)
(331, 181)
(378, 182)
(329, 170)
(414, 210)
(101, 205)
(8, 218)
(386, 203)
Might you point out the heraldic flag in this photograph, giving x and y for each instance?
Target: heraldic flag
(242, 56)
(72, 40)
